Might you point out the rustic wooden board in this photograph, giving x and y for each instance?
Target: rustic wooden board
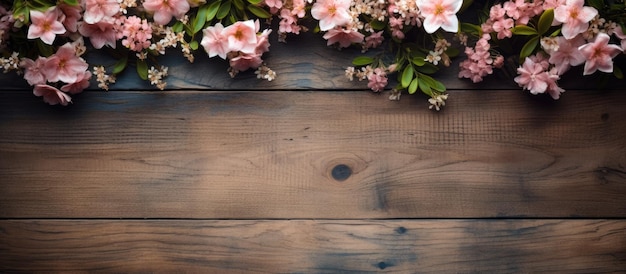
(308, 246)
(251, 155)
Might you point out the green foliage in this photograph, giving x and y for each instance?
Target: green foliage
(545, 21)
(362, 61)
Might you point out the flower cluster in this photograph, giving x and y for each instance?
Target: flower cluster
(554, 35)
(410, 40)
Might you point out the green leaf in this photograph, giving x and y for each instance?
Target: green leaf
(120, 65)
(425, 87)
(545, 21)
(177, 27)
(223, 10)
(407, 76)
(212, 10)
(556, 33)
(238, 4)
(413, 86)
(618, 72)
(471, 28)
(142, 69)
(71, 2)
(259, 12)
(193, 45)
(418, 61)
(428, 68)
(377, 25)
(200, 19)
(362, 61)
(255, 2)
(44, 49)
(434, 84)
(524, 30)
(528, 48)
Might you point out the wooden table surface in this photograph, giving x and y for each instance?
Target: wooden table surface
(311, 173)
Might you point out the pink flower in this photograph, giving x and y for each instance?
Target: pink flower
(138, 33)
(574, 16)
(165, 9)
(599, 54)
(331, 13)
(214, 42)
(374, 40)
(533, 77)
(52, 95)
(244, 61)
(440, 14)
(97, 10)
(345, 37)
(45, 25)
(377, 80)
(100, 34)
(70, 16)
(34, 70)
(567, 54)
(241, 36)
(82, 82)
(64, 65)
(263, 43)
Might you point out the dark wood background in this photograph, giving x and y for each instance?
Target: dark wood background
(312, 173)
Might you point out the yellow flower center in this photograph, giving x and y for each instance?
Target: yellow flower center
(439, 9)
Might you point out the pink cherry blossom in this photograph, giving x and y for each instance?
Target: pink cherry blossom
(533, 77)
(165, 9)
(599, 54)
(574, 16)
(82, 82)
(263, 42)
(567, 54)
(331, 13)
(44, 25)
(440, 14)
(137, 31)
(377, 80)
(100, 34)
(52, 95)
(98, 10)
(241, 36)
(243, 61)
(345, 37)
(34, 70)
(214, 42)
(64, 65)
(70, 16)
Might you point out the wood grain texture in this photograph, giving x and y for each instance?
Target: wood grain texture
(250, 155)
(307, 246)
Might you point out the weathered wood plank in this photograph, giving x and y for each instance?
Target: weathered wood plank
(272, 155)
(307, 246)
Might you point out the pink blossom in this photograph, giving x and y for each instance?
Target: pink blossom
(619, 32)
(263, 42)
(70, 16)
(165, 9)
(440, 14)
(241, 36)
(214, 42)
(34, 70)
(98, 10)
(44, 25)
(100, 34)
(599, 54)
(138, 33)
(331, 13)
(243, 61)
(345, 37)
(64, 65)
(277, 4)
(377, 80)
(574, 16)
(82, 82)
(533, 77)
(374, 40)
(567, 54)
(52, 95)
